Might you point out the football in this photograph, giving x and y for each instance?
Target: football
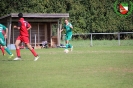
(66, 50)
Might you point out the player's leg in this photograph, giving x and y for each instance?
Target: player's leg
(18, 41)
(69, 45)
(66, 48)
(67, 42)
(26, 41)
(33, 51)
(6, 49)
(17, 48)
(2, 49)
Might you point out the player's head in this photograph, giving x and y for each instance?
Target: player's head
(20, 15)
(66, 20)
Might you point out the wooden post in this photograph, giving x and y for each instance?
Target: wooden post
(13, 35)
(58, 33)
(91, 40)
(38, 34)
(119, 39)
(45, 28)
(30, 36)
(9, 30)
(35, 41)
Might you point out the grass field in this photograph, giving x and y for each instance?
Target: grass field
(86, 67)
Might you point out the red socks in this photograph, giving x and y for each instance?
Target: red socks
(18, 52)
(2, 49)
(33, 52)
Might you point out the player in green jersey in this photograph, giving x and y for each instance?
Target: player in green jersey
(68, 28)
(2, 39)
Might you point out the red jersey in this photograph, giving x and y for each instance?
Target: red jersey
(23, 27)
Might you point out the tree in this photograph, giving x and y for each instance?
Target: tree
(85, 15)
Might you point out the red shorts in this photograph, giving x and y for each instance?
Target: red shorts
(24, 39)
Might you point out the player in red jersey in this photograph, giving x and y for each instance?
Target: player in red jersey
(23, 27)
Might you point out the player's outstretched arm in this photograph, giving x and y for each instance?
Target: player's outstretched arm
(71, 26)
(61, 30)
(16, 27)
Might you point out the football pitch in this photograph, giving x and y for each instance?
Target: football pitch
(84, 67)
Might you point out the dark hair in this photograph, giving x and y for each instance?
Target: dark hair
(20, 15)
(66, 18)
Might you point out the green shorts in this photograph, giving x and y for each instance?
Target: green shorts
(68, 37)
(2, 41)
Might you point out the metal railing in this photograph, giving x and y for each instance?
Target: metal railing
(91, 35)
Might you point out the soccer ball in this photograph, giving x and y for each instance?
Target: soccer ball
(66, 50)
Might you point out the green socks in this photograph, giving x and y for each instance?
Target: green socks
(8, 51)
(68, 46)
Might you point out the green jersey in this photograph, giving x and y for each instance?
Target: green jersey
(68, 29)
(2, 27)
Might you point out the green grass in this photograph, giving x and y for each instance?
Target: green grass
(85, 67)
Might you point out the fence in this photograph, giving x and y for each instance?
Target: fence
(91, 36)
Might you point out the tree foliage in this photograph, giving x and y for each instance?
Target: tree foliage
(85, 15)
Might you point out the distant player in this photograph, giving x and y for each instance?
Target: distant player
(68, 28)
(23, 27)
(2, 40)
